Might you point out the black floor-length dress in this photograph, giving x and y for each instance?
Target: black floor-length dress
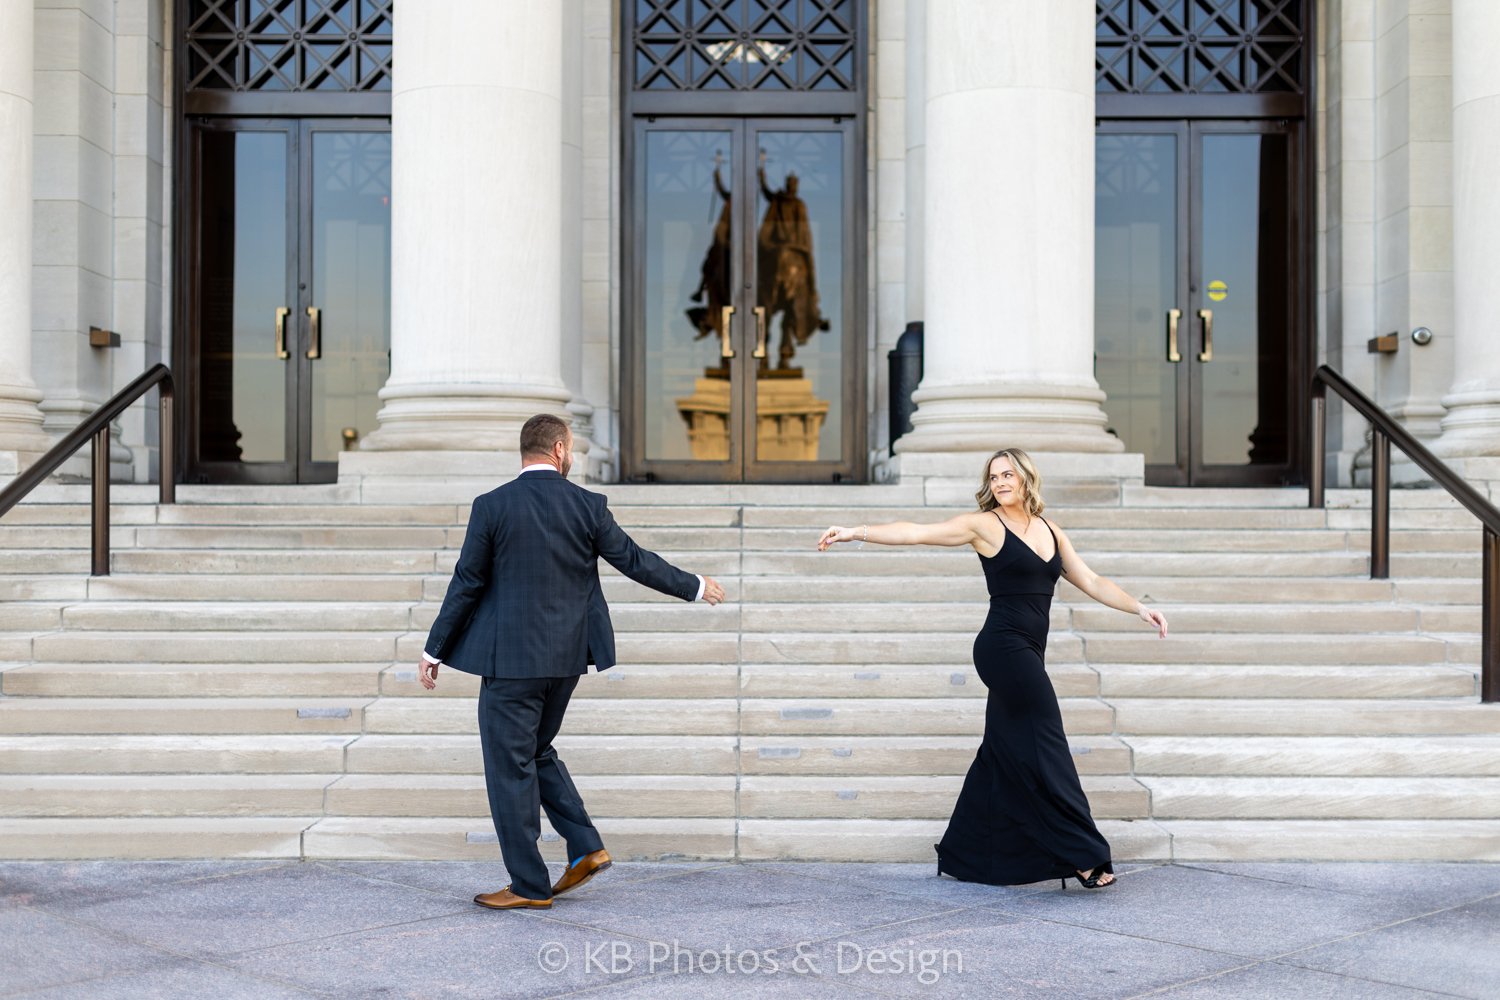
(1022, 815)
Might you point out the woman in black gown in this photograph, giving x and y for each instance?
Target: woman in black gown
(1022, 815)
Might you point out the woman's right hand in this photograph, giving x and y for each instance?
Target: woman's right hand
(835, 534)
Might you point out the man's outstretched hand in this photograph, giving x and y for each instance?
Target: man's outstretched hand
(713, 593)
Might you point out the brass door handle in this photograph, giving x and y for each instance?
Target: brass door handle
(1173, 355)
(760, 331)
(282, 312)
(315, 332)
(1207, 315)
(726, 349)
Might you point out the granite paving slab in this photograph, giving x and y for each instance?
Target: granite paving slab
(1236, 915)
(1272, 979)
(258, 909)
(1454, 951)
(177, 981)
(38, 949)
(981, 952)
(230, 929)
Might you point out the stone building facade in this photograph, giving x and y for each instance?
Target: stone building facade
(369, 238)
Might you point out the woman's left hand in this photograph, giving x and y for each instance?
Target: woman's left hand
(1156, 618)
(835, 534)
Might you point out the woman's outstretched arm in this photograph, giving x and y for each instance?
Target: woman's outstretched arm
(1103, 589)
(960, 530)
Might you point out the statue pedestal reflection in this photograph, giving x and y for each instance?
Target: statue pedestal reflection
(789, 418)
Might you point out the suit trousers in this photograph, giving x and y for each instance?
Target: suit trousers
(518, 719)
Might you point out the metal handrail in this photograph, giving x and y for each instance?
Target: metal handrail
(1386, 431)
(95, 428)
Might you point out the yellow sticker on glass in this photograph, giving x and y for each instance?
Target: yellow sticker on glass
(1218, 291)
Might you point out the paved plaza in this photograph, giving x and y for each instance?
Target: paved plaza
(266, 930)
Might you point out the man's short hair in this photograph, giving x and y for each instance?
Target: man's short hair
(541, 432)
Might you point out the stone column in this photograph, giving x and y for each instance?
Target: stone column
(1008, 289)
(1471, 428)
(476, 226)
(21, 437)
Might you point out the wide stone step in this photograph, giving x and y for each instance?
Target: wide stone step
(886, 840)
(155, 754)
(238, 616)
(645, 716)
(1201, 648)
(332, 536)
(238, 561)
(877, 647)
(1302, 717)
(1352, 756)
(130, 838)
(473, 839)
(334, 586)
(634, 647)
(1334, 839)
(1245, 618)
(903, 797)
(1324, 798)
(633, 680)
(868, 756)
(634, 795)
(194, 680)
(78, 716)
(44, 588)
(895, 680)
(1255, 680)
(753, 716)
(220, 647)
(919, 563)
(897, 716)
(585, 754)
(1093, 540)
(163, 795)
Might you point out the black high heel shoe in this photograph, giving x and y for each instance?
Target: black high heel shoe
(1091, 881)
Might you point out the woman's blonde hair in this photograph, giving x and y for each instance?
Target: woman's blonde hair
(1031, 482)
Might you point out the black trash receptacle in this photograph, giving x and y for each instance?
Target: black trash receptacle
(905, 361)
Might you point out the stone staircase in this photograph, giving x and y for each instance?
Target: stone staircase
(244, 683)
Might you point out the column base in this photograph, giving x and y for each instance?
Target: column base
(1035, 417)
(468, 417)
(22, 440)
(1471, 428)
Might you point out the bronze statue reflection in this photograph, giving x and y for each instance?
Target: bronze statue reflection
(786, 284)
(714, 277)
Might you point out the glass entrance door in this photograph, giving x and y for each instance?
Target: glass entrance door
(287, 295)
(740, 330)
(1197, 340)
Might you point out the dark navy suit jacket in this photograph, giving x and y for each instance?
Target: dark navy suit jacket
(525, 598)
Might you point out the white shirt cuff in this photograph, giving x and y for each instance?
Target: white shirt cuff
(702, 585)
(428, 659)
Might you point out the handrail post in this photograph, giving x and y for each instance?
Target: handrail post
(99, 505)
(1489, 641)
(1319, 446)
(167, 448)
(1380, 506)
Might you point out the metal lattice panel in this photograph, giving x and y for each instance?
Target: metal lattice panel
(1199, 46)
(289, 45)
(756, 45)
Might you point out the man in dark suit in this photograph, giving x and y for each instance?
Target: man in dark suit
(525, 612)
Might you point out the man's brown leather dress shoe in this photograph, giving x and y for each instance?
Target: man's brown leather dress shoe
(588, 866)
(507, 900)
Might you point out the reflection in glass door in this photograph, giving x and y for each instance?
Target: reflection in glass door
(287, 295)
(1196, 333)
(740, 342)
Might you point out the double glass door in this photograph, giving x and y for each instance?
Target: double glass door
(288, 294)
(740, 346)
(1197, 336)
